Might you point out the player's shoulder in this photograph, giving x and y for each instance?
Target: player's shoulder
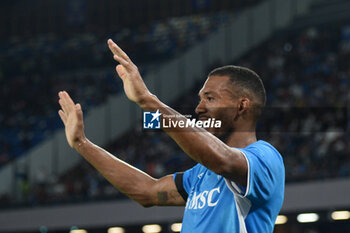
(198, 168)
(263, 148)
(262, 144)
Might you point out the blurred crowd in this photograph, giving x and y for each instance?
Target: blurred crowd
(32, 72)
(23, 19)
(306, 70)
(64, 48)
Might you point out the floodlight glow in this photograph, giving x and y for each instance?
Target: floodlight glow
(281, 219)
(154, 228)
(116, 230)
(78, 231)
(307, 217)
(176, 227)
(340, 215)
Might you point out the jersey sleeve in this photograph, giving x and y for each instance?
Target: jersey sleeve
(265, 173)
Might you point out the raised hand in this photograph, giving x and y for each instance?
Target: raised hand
(134, 87)
(72, 117)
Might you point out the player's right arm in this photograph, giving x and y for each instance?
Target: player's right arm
(136, 184)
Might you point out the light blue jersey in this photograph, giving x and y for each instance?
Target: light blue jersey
(218, 205)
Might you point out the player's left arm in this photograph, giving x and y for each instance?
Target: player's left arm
(198, 143)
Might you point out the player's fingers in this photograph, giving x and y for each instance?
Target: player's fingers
(68, 102)
(116, 50)
(121, 71)
(62, 116)
(79, 111)
(63, 106)
(68, 99)
(122, 61)
(111, 47)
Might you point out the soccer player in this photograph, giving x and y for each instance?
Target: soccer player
(237, 185)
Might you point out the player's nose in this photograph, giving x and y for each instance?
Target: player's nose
(201, 108)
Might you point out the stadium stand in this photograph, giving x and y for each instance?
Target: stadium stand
(45, 57)
(305, 68)
(47, 64)
(310, 152)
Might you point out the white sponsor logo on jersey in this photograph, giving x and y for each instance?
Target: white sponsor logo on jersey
(205, 198)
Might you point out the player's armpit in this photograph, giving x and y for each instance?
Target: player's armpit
(164, 192)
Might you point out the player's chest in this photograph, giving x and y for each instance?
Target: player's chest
(207, 191)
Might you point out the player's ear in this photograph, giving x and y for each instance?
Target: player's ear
(243, 105)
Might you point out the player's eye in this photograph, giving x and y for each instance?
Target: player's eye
(209, 98)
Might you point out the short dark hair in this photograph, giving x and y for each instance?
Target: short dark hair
(248, 81)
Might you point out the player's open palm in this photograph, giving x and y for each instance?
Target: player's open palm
(72, 117)
(134, 87)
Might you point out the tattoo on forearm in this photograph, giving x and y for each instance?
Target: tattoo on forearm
(163, 196)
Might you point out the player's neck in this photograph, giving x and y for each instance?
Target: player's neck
(241, 139)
